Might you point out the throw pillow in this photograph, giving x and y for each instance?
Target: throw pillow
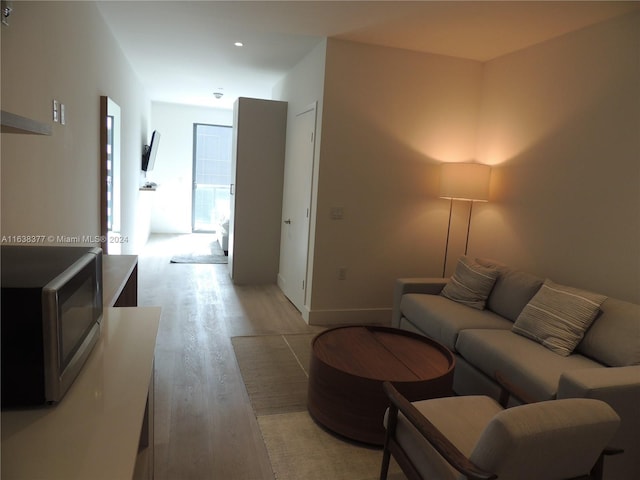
(512, 291)
(558, 316)
(471, 284)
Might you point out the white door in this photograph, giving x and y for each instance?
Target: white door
(296, 207)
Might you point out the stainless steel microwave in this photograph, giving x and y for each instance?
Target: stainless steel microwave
(51, 309)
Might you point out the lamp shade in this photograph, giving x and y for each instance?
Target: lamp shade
(465, 181)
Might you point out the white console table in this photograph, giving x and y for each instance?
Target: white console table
(95, 431)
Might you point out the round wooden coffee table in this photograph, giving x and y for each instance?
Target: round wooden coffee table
(349, 364)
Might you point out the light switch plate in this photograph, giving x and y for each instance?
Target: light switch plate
(337, 213)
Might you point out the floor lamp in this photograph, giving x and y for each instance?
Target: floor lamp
(467, 182)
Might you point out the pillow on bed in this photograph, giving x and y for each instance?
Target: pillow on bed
(471, 283)
(558, 316)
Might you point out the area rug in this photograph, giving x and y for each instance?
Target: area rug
(274, 370)
(192, 258)
(203, 252)
(301, 450)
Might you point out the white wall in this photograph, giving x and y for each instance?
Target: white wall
(301, 87)
(390, 118)
(50, 184)
(560, 123)
(173, 171)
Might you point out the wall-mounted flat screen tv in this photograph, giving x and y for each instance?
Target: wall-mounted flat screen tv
(149, 152)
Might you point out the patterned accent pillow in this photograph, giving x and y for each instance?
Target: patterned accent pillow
(471, 284)
(558, 316)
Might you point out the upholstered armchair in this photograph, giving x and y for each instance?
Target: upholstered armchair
(473, 437)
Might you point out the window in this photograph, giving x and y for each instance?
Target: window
(211, 176)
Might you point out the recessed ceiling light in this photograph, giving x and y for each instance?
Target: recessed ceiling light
(239, 44)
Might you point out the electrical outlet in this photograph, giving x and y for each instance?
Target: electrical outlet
(342, 273)
(55, 111)
(63, 120)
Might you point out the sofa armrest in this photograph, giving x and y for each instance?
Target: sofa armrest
(620, 388)
(602, 383)
(427, 285)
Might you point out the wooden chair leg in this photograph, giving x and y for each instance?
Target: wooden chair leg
(386, 458)
(392, 421)
(596, 471)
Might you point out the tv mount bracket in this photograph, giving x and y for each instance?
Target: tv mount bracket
(7, 8)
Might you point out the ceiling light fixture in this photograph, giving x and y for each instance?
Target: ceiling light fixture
(218, 95)
(239, 44)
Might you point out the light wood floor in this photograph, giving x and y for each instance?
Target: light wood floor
(204, 425)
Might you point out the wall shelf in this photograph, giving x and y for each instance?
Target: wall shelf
(12, 123)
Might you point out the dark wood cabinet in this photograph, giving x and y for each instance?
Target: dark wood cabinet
(120, 280)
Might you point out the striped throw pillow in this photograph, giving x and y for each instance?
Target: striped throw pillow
(558, 316)
(471, 283)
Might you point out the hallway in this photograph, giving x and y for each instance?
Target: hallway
(205, 427)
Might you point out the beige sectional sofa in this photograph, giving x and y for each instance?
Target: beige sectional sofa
(508, 327)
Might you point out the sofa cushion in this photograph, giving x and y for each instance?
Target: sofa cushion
(441, 319)
(471, 283)
(512, 291)
(557, 316)
(528, 365)
(614, 337)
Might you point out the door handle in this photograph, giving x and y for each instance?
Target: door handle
(288, 221)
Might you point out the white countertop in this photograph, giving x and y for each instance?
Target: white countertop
(93, 432)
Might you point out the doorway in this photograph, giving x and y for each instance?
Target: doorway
(110, 175)
(296, 207)
(210, 204)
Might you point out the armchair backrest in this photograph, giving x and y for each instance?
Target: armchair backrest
(557, 439)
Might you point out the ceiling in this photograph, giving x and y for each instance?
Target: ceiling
(183, 51)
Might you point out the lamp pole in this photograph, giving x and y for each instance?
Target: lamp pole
(463, 181)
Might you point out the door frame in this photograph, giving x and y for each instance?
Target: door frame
(110, 109)
(312, 107)
(193, 174)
